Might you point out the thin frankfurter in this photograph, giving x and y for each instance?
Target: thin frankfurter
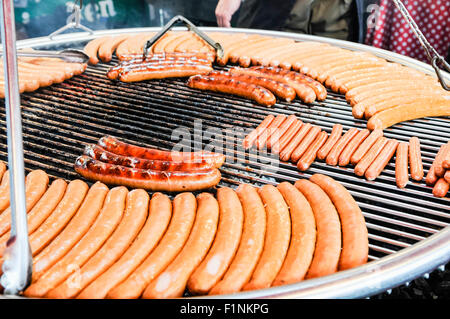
(335, 135)
(415, 159)
(350, 148)
(365, 146)
(134, 217)
(72, 233)
(107, 48)
(382, 159)
(265, 135)
(92, 47)
(370, 156)
(251, 245)
(276, 242)
(441, 188)
(355, 241)
(447, 176)
(160, 212)
(303, 236)
(310, 154)
(225, 245)
(431, 177)
(184, 209)
(286, 152)
(250, 139)
(287, 137)
(333, 157)
(36, 183)
(401, 165)
(171, 283)
(104, 225)
(328, 239)
(438, 168)
(305, 143)
(278, 133)
(4, 192)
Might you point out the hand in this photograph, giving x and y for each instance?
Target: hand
(225, 10)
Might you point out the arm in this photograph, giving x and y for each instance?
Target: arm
(225, 10)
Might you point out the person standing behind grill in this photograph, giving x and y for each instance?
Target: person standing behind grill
(329, 18)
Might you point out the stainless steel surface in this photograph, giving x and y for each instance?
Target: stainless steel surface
(408, 229)
(17, 257)
(68, 55)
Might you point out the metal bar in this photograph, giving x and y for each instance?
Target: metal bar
(18, 261)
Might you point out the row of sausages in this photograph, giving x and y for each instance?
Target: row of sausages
(115, 162)
(379, 90)
(438, 175)
(96, 242)
(369, 152)
(34, 73)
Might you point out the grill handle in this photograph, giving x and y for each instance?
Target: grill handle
(17, 265)
(191, 27)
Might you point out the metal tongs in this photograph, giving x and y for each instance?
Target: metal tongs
(17, 265)
(191, 27)
(73, 21)
(68, 55)
(434, 57)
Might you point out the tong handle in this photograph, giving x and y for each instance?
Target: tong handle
(73, 22)
(191, 27)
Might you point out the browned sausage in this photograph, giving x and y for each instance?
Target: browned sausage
(278, 133)
(286, 152)
(305, 143)
(350, 148)
(333, 156)
(365, 146)
(401, 165)
(415, 159)
(287, 137)
(441, 187)
(370, 156)
(265, 135)
(382, 159)
(310, 155)
(335, 135)
(251, 138)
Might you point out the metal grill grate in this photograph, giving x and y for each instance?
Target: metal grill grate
(59, 120)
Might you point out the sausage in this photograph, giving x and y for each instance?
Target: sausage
(355, 241)
(266, 134)
(255, 51)
(441, 187)
(73, 197)
(370, 156)
(303, 236)
(107, 48)
(431, 177)
(328, 238)
(98, 153)
(286, 152)
(134, 217)
(310, 154)
(94, 238)
(333, 157)
(152, 72)
(91, 48)
(184, 210)
(415, 159)
(36, 183)
(231, 86)
(280, 89)
(383, 158)
(237, 43)
(225, 245)
(4, 192)
(319, 90)
(305, 143)
(171, 283)
(73, 232)
(251, 245)
(365, 146)
(41, 210)
(407, 112)
(447, 176)
(250, 139)
(122, 51)
(438, 168)
(276, 242)
(116, 146)
(335, 135)
(172, 44)
(287, 137)
(279, 131)
(401, 165)
(174, 181)
(160, 212)
(303, 91)
(2, 169)
(350, 148)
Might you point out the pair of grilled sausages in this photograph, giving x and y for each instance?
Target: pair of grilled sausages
(118, 163)
(438, 175)
(261, 84)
